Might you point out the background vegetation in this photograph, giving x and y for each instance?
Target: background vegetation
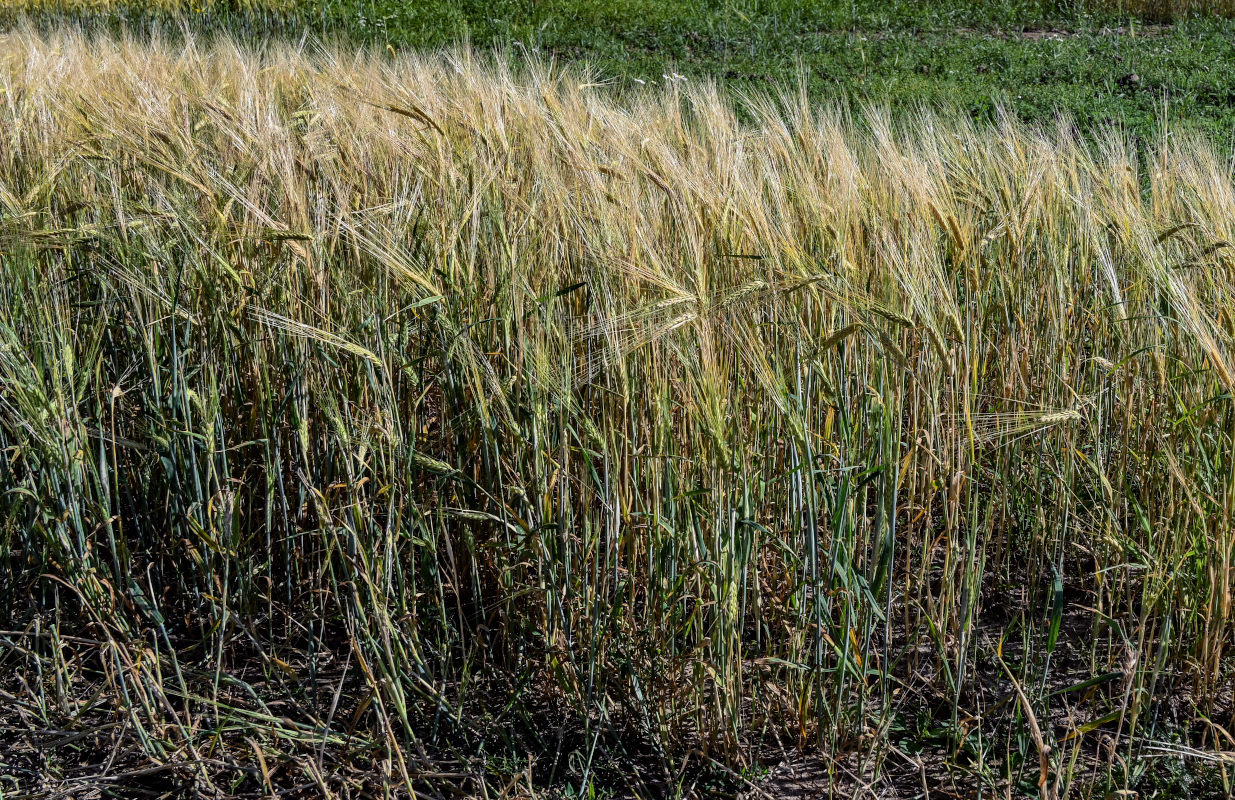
(1127, 62)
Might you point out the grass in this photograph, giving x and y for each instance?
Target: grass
(406, 423)
(1101, 63)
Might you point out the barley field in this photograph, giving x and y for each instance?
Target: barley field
(383, 425)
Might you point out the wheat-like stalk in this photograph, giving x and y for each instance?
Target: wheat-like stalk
(357, 407)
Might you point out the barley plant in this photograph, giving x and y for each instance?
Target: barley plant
(378, 425)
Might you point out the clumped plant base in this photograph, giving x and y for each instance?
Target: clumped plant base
(378, 426)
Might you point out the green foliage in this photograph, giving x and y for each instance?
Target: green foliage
(1099, 63)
